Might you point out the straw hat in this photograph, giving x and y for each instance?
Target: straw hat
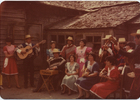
(56, 51)
(121, 40)
(28, 36)
(70, 38)
(106, 37)
(137, 33)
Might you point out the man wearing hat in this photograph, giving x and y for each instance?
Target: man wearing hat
(120, 58)
(135, 87)
(28, 62)
(68, 49)
(55, 63)
(105, 50)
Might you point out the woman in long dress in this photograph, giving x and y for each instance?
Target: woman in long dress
(71, 70)
(10, 66)
(89, 78)
(81, 54)
(103, 89)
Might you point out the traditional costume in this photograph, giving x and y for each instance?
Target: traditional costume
(103, 89)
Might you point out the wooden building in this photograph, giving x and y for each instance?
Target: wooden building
(56, 20)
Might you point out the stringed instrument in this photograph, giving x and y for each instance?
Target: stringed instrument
(111, 39)
(28, 50)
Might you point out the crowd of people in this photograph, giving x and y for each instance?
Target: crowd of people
(78, 70)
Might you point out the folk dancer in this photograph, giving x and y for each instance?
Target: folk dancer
(135, 87)
(81, 54)
(10, 66)
(28, 62)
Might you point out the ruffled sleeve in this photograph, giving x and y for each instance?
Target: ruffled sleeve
(5, 49)
(89, 49)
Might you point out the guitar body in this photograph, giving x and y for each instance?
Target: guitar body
(23, 56)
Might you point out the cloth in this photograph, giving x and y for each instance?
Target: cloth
(67, 51)
(81, 53)
(103, 89)
(120, 61)
(70, 80)
(10, 66)
(87, 82)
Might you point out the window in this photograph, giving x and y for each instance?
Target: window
(89, 38)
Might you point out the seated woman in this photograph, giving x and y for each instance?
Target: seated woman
(71, 70)
(89, 78)
(103, 89)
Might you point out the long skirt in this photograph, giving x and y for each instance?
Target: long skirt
(103, 89)
(69, 82)
(86, 82)
(11, 68)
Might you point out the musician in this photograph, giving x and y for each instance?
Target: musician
(68, 49)
(28, 62)
(105, 50)
(103, 89)
(89, 77)
(127, 80)
(135, 87)
(120, 58)
(55, 63)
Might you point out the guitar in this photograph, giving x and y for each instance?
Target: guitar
(111, 39)
(28, 50)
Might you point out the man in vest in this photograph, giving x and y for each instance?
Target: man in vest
(28, 61)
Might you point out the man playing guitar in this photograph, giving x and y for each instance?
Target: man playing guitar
(28, 61)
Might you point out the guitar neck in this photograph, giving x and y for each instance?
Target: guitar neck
(35, 45)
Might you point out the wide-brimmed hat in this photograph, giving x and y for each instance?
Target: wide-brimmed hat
(106, 37)
(28, 36)
(56, 51)
(137, 33)
(70, 38)
(122, 40)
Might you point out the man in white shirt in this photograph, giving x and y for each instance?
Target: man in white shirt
(28, 61)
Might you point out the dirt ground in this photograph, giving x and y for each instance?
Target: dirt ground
(14, 93)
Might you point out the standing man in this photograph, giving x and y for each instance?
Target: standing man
(135, 87)
(28, 61)
(105, 50)
(120, 58)
(68, 49)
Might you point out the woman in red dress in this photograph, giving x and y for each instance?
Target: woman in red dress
(10, 66)
(103, 89)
